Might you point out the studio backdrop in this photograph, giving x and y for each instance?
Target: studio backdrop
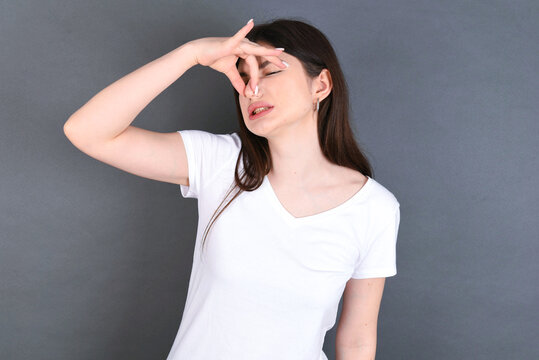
(95, 262)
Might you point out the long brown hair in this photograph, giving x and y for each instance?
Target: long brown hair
(311, 47)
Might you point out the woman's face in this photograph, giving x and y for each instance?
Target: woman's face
(288, 90)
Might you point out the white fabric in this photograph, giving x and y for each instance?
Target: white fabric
(267, 285)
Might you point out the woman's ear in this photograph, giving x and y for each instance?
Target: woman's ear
(323, 84)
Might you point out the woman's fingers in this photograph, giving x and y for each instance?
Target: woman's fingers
(258, 47)
(252, 63)
(270, 53)
(277, 61)
(237, 37)
(248, 50)
(252, 48)
(236, 80)
(260, 50)
(239, 40)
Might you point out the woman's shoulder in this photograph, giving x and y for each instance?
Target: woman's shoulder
(208, 139)
(373, 191)
(380, 197)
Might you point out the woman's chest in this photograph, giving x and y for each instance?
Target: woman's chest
(250, 245)
(299, 202)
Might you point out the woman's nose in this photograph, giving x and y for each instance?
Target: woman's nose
(249, 90)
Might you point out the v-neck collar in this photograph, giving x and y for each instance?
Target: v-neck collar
(295, 221)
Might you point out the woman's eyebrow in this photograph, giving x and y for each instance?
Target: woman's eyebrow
(261, 66)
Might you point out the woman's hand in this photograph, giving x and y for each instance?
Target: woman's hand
(222, 53)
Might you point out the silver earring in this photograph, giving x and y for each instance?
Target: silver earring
(317, 104)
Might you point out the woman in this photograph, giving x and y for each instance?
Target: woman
(292, 216)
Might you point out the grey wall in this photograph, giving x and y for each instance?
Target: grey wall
(95, 262)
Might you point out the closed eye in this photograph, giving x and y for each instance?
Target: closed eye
(245, 80)
(274, 72)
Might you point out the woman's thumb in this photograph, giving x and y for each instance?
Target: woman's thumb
(236, 80)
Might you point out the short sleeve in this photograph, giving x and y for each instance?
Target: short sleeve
(207, 154)
(379, 259)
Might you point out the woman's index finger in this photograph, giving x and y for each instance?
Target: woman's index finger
(243, 31)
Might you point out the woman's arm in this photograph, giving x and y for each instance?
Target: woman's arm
(357, 328)
(111, 111)
(101, 128)
(356, 353)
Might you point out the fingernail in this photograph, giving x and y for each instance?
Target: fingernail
(279, 48)
(249, 21)
(284, 62)
(256, 90)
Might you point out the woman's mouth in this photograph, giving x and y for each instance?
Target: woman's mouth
(264, 111)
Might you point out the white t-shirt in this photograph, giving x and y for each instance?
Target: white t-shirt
(268, 284)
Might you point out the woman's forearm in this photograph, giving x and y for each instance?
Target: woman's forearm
(109, 112)
(355, 353)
